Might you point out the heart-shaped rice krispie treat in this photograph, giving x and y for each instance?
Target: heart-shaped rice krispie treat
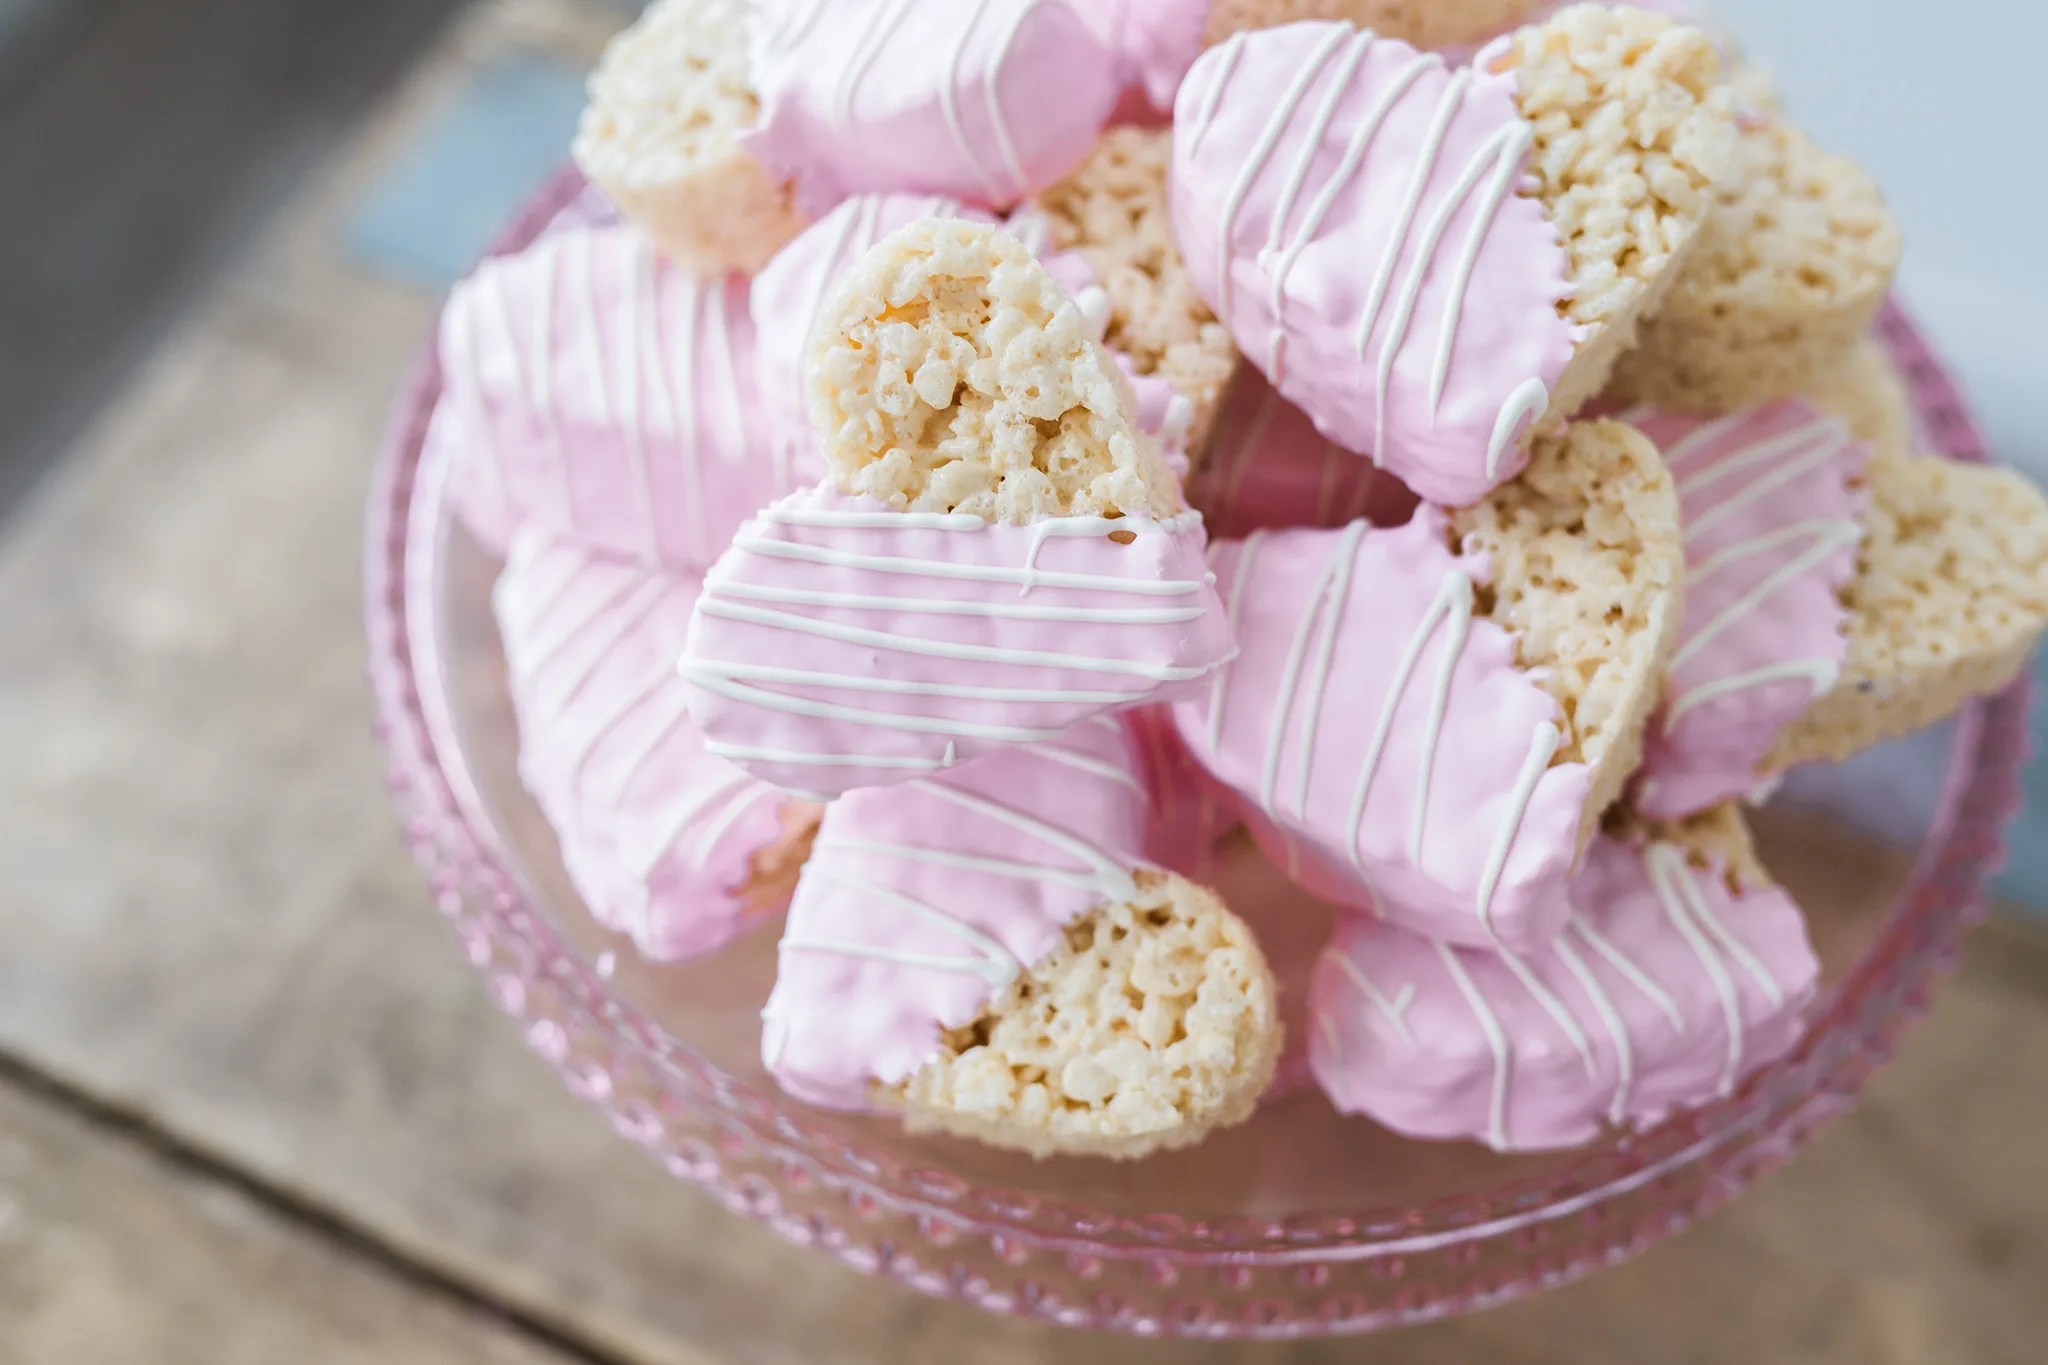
(1000, 553)
(1438, 263)
(1682, 969)
(985, 951)
(1429, 719)
(1773, 506)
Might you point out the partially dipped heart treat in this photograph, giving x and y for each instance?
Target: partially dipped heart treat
(999, 551)
(1157, 545)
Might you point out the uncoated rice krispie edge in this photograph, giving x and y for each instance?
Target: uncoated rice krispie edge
(1633, 139)
(1950, 595)
(1782, 287)
(1113, 210)
(660, 136)
(953, 373)
(1588, 564)
(1152, 1024)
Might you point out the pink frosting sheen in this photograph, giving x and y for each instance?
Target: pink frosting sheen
(1665, 990)
(475, 489)
(1399, 758)
(1191, 812)
(1327, 182)
(920, 903)
(840, 644)
(656, 834)
(610, 397)
(1773, 506)
(988, 101)
(1154, 41)
(1270, 469)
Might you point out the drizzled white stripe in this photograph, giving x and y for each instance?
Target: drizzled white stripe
(1453, 605)
(1393, 1011)
(941, 649)
(980, 573)
(886, 720)
(860, 682)
(1496, 1042)
(940, 606)
(1610, 1019)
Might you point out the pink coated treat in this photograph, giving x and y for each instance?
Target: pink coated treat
(611, 396)
(1347, 205)
(1399, 758)
(1191, 812)
(658, 836)
(920, 903)
(1772, 504)
(475, 485)
(1269, 469)
(987, 101)
(1665, 989)
(1154, 42)
(841, 644)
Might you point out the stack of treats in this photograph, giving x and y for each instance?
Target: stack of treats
(966, 468)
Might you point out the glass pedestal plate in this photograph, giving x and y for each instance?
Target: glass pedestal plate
(1298, 1223)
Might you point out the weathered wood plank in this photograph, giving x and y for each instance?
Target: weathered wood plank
(112, 1255)
(205, 915)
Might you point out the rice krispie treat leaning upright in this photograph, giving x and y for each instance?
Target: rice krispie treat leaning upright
(1427, 721)
(1437, 263)
(1773, 503)
(1948, 601)
(984, 951)
(660, 136)
(1789, 271)
(1113, 210)
(1000, 551)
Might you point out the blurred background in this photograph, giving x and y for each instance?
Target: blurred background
(254, 1107)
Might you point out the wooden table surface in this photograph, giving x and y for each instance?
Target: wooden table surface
(255, 1108)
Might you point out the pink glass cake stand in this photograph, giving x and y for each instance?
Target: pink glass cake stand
(1298, 1223)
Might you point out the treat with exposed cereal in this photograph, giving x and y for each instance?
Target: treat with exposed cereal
(1438, 263)
(999, 553)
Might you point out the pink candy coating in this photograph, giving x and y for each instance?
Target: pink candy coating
(1394, 753)
(1664, 991)
(841, 644)
(657, 835)
(1154, 41)
(1269, 469)
(1349, 207)
(1772, 506)
(986, 101)
(608, 396)
(921, 902)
